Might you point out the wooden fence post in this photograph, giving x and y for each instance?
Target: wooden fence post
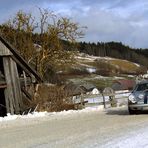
(104, 100)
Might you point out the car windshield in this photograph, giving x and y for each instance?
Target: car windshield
(142, 87)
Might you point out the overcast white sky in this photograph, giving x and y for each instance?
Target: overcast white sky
(107, 20)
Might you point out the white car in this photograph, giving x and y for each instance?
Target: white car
(138, 99)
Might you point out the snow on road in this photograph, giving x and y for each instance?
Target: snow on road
(135, 139)
(92, 127)
(88, 128)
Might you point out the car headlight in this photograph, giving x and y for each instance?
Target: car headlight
(132, 98)
(141, 96)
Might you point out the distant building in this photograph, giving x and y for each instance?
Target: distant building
(123, 84)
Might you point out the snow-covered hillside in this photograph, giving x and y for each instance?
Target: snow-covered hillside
(89, 62)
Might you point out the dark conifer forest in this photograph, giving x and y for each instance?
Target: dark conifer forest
(115, 50)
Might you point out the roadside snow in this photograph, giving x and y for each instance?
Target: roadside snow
(136, 139)
(112, 128)
(10, 117)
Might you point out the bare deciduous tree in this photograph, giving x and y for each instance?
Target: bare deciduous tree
(51, 31)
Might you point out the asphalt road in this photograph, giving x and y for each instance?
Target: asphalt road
(92, 129)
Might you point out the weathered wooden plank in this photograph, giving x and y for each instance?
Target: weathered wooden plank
(18, 59)
(13, 91)
(26, 94)
(3, 86)
(7, 101)
(31, 74)
(16, 87)
(25, 79)
(9, 95)
(4, 50)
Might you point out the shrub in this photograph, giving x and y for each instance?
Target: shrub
(51, 98)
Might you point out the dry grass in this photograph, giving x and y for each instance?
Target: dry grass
(124, 64)
(51, 98)
(128, 67)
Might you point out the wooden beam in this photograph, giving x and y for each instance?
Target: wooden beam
(22, 66)
(4, 50)
(9, 95)
(19, 60)
(26, 93)
(13, 95)
(3, 85)
(16, 87)
(25, 80)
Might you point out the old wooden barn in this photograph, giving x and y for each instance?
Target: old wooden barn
(13, 70)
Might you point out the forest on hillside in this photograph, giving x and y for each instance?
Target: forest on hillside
(115, 50)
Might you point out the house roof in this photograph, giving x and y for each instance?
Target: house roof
(88, 86)
(20, 61)
(78, 88)
(73, 89)
(125, 84)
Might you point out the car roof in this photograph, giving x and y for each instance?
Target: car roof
(143, 82)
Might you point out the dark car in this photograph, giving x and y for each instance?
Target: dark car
(138, 99)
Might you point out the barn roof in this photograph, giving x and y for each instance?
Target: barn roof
(20, 61)
(124, 83)
(73, 89)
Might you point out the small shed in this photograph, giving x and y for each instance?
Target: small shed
(79, 88)
(123, 84)
(88, 87)
(12, 66)
(74, 89)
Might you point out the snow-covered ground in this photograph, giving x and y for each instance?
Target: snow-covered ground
(92, 127)
(52, 114)
(136, 139)
(87, 57)
(121, 98)
(88, 128)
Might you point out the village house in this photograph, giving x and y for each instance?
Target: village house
(123, 84)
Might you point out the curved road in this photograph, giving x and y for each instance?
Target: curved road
(109, 128)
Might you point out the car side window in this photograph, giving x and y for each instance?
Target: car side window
(140, 87)
(146, 86)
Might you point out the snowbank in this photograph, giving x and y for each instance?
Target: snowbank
(10, 117)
